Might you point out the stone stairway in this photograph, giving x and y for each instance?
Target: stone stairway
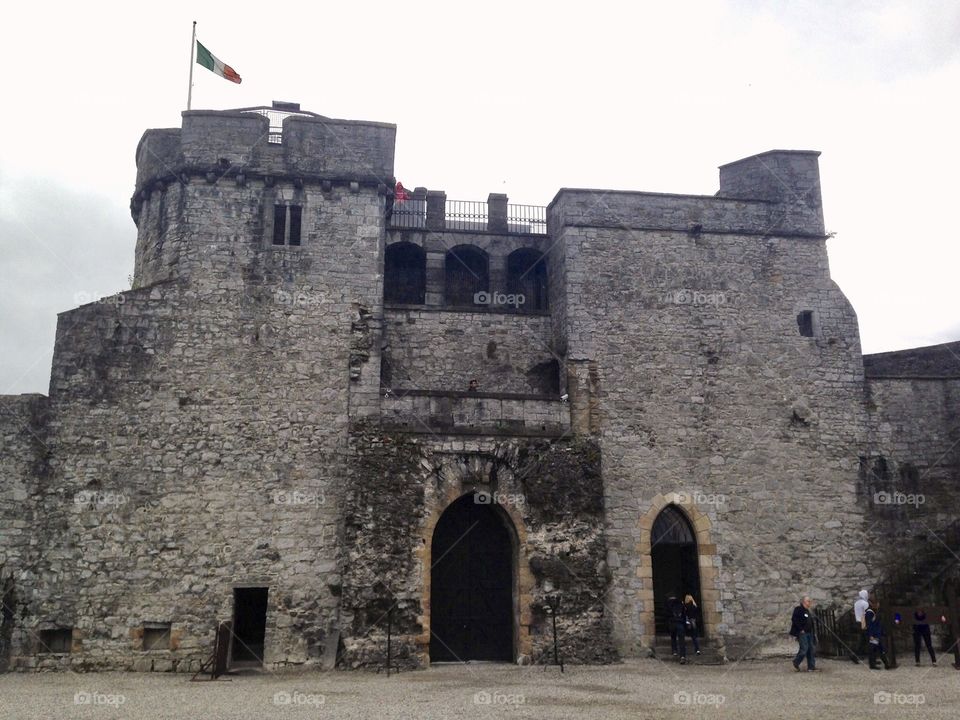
(710, 653)
(919, 580)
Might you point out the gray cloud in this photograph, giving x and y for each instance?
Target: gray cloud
(59, 248)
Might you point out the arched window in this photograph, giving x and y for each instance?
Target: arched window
(467, 272)
(404, 274)
(672, 528)
(527, 276)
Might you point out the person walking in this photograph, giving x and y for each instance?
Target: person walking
(859, 609)
(802, 628)
(678, 627)
(921, 631)
(693, 620)
(875, 635)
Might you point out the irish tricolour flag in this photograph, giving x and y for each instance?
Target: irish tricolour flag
(210, 62)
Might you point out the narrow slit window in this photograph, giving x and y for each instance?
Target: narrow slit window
(805, 323)
(295, 212)
(279, 224)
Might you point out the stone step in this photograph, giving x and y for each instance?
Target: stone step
(710, 653)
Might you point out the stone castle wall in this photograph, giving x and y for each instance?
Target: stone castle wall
(910, 473)
(550, 492)
(251, 414)
(198, 424)
(705, 387)
(443, 350)
(23, 469)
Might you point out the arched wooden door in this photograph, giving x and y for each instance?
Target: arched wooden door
(471, 584)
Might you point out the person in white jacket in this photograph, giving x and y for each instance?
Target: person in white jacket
(859, 614)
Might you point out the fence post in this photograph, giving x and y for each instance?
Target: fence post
(497, 212)
(953, 606)
(436, 210)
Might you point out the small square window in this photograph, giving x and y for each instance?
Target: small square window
(156, 636)
(805, 323)
(58, 640)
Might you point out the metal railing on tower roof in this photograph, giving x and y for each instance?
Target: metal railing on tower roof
(276, 114)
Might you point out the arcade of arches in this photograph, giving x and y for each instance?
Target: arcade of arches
(467, 270)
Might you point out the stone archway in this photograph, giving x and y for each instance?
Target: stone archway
(522, 580)
(675, 562)
(707, 558)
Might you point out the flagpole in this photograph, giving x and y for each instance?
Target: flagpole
(193, 46)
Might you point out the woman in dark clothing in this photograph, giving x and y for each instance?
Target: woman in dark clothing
(875, 635)
(921, 632)
(693, 620)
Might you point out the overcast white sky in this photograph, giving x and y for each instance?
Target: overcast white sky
(514, 97)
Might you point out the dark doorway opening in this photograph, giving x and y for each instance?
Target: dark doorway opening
(404, 274)
(527, 276)
(467, 276)
(676, 566)
(249, 624)
(471, 584)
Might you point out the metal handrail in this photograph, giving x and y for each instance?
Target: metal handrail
(470, 215)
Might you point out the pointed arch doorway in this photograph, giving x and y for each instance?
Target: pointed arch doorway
(471, 584)
(675, 561)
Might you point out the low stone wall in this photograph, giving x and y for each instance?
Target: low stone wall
(419, 412)
(23, 464)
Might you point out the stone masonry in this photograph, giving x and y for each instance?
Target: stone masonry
(256, 413)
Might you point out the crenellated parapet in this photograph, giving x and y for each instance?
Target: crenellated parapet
(773, 193)
(240, 147)
(231, 190)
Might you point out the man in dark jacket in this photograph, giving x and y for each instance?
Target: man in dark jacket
(802, 628)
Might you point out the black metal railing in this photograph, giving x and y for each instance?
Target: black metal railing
(527, 219)
(465, 215)
(276, 118)
(409, 214)
(470, 215)
(836, 636)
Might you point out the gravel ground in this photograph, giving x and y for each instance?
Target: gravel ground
(635, 689)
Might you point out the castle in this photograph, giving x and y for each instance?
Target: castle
(326, 407)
